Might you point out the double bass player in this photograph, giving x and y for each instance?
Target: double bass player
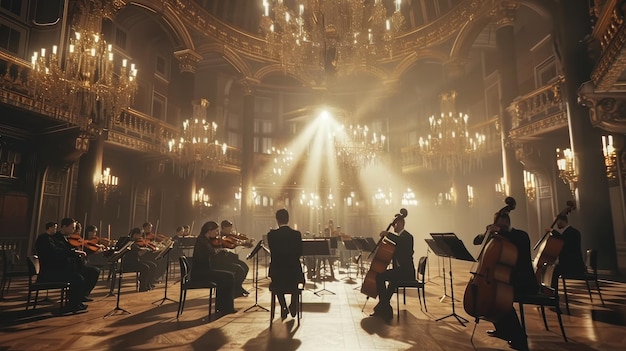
(523, 280)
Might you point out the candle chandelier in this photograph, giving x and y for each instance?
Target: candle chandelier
(107, 184)
(85, 79)
(449, 145)
(198, 143)
(330, 35)
(356, 147)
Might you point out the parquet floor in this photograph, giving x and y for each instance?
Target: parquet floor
(330, 321)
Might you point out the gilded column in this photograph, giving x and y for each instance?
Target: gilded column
(573, 26)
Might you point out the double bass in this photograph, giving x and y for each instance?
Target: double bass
(489, 294)
(384, 250)
(549, 246)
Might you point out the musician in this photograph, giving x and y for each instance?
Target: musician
(95, 255)
(151, 239)
(523, 280)
(203, 270)
(403, 269)
(285, 245)
(229, 261)
(133, 260)
(59, 261)
(571, 263)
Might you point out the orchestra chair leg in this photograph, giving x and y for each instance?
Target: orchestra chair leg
(565, 295)
(543, 315)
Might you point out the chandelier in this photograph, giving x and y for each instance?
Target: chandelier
(281, 162)
(85, 80)
(330, 35)
(449, 145)
(356, 147)
(198, 143)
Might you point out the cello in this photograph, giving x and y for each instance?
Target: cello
(384, 250)
(550, 245)
(489, 294)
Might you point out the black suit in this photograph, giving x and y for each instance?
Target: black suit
(403, 269)
(285, 245)
(571, 264)
(203, 271)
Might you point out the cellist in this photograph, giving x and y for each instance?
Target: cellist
(571, 264)
(403, 269)
(523, 280)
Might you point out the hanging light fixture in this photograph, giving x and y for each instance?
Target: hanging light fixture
(357, 147)
(85, 80)
(449, 145)
(330, 35)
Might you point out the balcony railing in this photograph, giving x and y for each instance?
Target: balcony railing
(539, 111)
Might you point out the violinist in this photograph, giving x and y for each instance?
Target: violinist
(571, 264)
(229, 261)
(133, 261)
(149, 241)
(93, 248)
(522, 278)
(403, 269)
(61, 262)
(203, 271)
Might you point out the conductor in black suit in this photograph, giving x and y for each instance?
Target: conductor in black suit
(285, 246)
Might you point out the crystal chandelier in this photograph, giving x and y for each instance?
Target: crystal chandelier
(356, 147)
(330, 35)
(198, 143)
(449, 145)
(85, 80)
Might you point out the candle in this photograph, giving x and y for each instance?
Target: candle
(109, 232)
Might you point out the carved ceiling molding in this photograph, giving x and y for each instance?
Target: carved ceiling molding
(606, 110)
(187, 60)
(533, 131)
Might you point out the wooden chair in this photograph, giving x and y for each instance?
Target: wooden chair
(9, 271)
(275, 292)
(186, 284)
(591, 274)
(418, 284)
(548, 296)
(33, 271)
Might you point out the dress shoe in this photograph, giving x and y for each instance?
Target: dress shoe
(283, 313)
(497, 334)
(293, 308)
(87, 299)
(520, 345)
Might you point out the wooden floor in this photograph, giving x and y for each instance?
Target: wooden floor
(330, 321)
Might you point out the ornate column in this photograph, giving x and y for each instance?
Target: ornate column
(573, 26)
(513, 171)
(187, 63)
(247, 154)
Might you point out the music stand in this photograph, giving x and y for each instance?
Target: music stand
(432, 247)
(453, 247)
(351, 246)
(116, 259)
(255, 274)
(317, 247)
(165, 253)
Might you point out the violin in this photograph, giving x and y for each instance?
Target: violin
(78, 242)
(239, 239)
(489, 294)
(227, 242)
(145, 243)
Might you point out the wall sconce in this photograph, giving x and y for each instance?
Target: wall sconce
(107, 184)
(567, 172)
(470, 195)
(502, 188)
(200, 199)
(610, 156)
(448, 199)
(530, 184)
(408, 198)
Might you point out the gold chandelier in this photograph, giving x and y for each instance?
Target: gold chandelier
(356, 147)
(449, 145)
(330, 35)
(85, 80)
(198, 143)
